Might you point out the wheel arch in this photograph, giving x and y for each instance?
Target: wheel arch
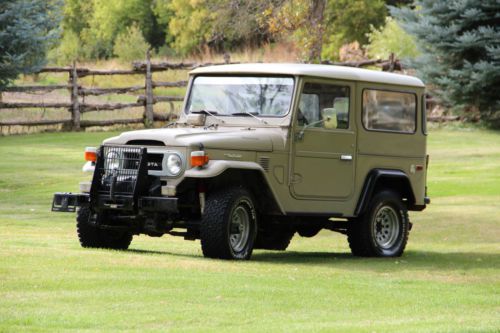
(389, 179)
(255, 182)
(219, 174)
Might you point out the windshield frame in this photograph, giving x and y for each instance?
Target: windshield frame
(251, 75)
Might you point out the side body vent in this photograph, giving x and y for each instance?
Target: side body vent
(264, 163)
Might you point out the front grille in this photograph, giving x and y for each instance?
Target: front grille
(120, 169)
(155, 162)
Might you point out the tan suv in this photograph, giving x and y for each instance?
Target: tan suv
(259, 153)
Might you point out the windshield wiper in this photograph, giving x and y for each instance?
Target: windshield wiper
(210, 113)
(249, 114)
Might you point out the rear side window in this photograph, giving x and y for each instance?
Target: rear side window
(389, 111)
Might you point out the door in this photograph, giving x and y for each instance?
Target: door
(325, 141)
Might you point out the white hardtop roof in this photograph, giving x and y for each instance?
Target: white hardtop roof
(325, 71)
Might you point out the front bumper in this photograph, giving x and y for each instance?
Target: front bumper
(67, 202)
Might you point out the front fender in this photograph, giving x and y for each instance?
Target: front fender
(215, 168)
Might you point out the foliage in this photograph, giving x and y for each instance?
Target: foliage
(300, 20)
(288, 19)
(344, 21)
(348, 21)
(77, 14)
(236, 23)
(130, 45)
(99, 22)
(460, 45)
(221, 25)
(112, 17)
(69, 50)
(190, 25)
(27, 30)
(391, 38)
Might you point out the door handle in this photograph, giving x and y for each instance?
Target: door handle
(346, 157)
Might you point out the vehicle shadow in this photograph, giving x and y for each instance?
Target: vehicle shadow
(417, 260)
(165, 253)
(426, 260)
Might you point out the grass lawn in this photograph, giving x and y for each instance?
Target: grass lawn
(447, 281)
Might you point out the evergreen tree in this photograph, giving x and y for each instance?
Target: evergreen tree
(27, 30)
(459, 42)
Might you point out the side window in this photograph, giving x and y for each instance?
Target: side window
(389, 111)
(324, 104)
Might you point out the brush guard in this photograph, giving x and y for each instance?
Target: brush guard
(120, 182)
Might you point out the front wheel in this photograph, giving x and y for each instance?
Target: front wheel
(90, 235)
(229, 225)
(382, 231)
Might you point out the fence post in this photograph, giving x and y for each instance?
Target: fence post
(148, 107)
(75, 108)
(391, 62)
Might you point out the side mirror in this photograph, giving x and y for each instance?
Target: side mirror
(300, 135)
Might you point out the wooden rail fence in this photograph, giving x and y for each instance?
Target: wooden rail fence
(77, 92)
(77, 107)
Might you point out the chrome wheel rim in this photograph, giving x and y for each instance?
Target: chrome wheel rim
(386, 227)
(239, 231)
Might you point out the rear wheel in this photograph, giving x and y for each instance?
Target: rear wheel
(91, 236)
(382, 231)
(229, 225)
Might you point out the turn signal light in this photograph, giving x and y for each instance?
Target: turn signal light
(91, 154)
(199, 158)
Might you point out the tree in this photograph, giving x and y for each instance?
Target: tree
(236, 23)
(459, 41)
(303, 20)
(220, 25)
(190, 25)
(112, 17)
(391, 39)
(97, 24)
(130, 45)
(319, 28)
(27, 31)
(349, 21)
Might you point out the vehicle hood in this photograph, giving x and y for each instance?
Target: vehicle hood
(254, 139)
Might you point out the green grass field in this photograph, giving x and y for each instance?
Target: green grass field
(447, 281)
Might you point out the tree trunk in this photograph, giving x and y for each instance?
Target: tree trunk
(316, 29)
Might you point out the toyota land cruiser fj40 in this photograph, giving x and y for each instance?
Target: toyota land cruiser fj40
(261, 152)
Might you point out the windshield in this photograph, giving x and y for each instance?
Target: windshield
(231, 95)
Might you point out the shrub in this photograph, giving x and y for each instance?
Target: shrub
(390, 38)
(130, 45)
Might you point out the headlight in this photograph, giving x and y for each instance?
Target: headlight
(174, 164)
(113, 160)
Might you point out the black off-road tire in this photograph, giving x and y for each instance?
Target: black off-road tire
(277, 238)
(218, 220)
(91, 236)
(382, 231)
